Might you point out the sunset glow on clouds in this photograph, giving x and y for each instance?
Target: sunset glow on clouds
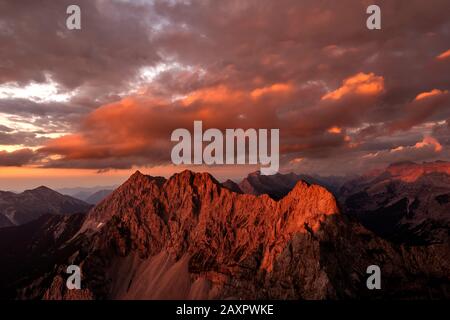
(444, 55)
(432, 93)
(109, 96)
(360, 84)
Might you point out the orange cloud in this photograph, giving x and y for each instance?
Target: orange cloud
(427, 142)
(335, 130)
(296, 160)
(273, 89)
(112, 131)
(367, 84)
(136, 130)
(213, 95)
(431, 93)
(444, 55)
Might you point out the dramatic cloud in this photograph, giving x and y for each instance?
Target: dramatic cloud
(424, 106)
(428, 148)
(444, 55)
(361, 84)
(442, 132)
(109, 95)
(429, 141)
(16, 158)
(106, 53)
(432, 93)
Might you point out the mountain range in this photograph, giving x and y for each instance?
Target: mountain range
(91, 195)
(407, 202)
(191, 237)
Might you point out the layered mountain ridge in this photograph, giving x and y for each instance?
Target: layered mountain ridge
(20, 208)
(190, 237)
(406, 202)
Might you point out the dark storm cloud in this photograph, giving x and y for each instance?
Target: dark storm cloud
(303, 40)
(105, 54)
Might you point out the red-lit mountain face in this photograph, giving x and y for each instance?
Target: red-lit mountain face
(407, 202)
(189, 237)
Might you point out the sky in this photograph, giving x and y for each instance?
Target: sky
(91, 106)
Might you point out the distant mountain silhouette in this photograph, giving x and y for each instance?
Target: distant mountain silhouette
(83, 193)
(98, 196)
(19, 208)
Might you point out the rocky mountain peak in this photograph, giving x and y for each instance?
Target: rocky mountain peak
(42, 190)
(141, 181)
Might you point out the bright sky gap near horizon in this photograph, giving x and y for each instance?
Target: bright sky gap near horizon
(89, 107)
